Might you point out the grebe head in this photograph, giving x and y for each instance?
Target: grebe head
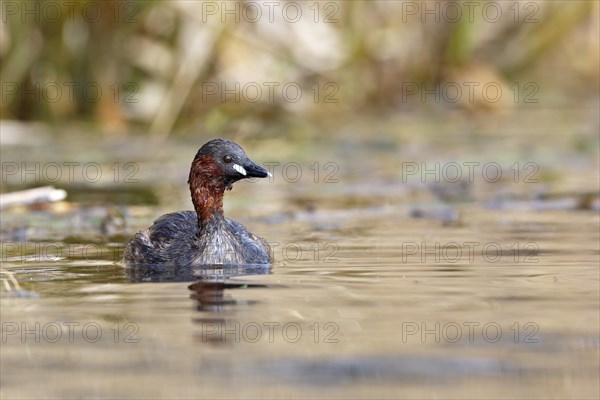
(217, 166)
(228, 160)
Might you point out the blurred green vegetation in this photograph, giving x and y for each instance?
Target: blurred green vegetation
(180, 66)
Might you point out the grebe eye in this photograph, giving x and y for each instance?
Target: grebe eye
(227, 159)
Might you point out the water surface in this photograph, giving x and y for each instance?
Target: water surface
(381, 288)
(367, 321)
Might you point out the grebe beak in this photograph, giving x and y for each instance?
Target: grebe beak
(253, 170)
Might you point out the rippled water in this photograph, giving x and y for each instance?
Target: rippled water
(382, 312)
(382, 287)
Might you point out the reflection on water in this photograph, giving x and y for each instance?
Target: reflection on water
(394, 315)
(174, 273)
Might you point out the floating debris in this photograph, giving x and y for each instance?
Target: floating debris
(12, 288)
(44, 194)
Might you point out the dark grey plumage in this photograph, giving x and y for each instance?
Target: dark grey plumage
(204, 236)
(176, 239)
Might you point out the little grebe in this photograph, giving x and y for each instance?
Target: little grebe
(204, 237)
